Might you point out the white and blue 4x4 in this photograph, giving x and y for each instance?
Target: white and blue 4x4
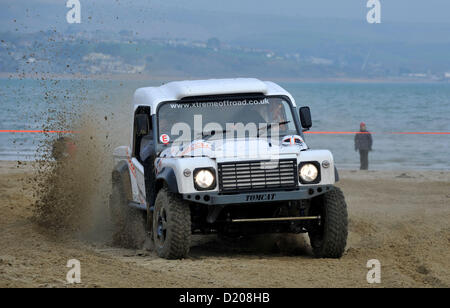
(224, 156)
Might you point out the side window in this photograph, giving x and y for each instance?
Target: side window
(142, 131)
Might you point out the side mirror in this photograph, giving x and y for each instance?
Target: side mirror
(142, 124)
(305, 117)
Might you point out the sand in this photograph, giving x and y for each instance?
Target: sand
(400, 218)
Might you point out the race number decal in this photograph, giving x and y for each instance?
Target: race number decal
(164, 138)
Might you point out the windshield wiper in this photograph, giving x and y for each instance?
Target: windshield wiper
(210, 134)
(268, 126)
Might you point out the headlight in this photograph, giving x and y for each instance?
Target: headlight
(308, 172)
(204, 179)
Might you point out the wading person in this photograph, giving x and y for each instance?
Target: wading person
(363, 144)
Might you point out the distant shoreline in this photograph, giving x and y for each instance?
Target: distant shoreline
(162, 78)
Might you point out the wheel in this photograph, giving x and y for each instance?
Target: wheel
(171, 226)
(128, 223)
(329, 235)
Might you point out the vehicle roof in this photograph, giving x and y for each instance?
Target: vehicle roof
(173, 91)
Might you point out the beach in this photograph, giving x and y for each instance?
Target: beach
(400, 218)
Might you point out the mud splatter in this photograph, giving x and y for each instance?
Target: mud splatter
(72, 192)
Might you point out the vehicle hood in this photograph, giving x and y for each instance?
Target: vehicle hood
(245, 148)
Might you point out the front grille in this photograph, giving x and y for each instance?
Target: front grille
(257, 175)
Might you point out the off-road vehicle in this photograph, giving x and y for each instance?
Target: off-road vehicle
(224, 156)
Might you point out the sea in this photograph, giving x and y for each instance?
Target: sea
(396, 113)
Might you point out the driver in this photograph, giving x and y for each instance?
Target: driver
(275, 114)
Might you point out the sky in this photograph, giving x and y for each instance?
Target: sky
(393, 10)
(169, 16)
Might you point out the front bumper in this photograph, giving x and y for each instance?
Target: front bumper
(215, 198)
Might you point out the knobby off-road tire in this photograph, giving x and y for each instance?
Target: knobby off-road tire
(128, 224)
(330, 238)
(171, 226)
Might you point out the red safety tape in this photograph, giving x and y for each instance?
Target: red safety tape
(38, 131)
(312, 133)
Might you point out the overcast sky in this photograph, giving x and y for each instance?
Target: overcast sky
(169, 16)
(393, 10)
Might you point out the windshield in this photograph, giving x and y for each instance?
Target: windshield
(230, 118)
